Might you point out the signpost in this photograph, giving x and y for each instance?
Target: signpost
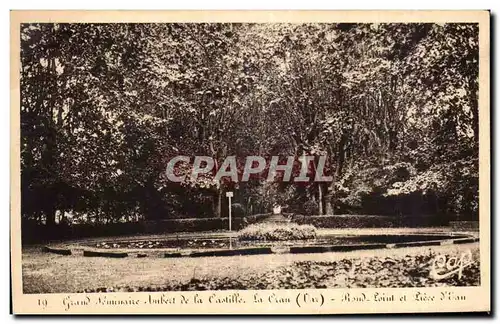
(229, 195)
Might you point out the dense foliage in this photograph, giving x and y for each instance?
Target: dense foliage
(104, 106)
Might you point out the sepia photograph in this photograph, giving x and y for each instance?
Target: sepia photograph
(267, 162)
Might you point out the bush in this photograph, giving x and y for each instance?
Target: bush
(277, 232)
(311, 208)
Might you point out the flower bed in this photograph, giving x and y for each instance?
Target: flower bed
(370, 272)
(277, 232)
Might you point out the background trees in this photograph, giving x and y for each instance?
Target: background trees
(394, 107)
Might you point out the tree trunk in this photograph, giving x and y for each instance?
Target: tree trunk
(50, 206)
(217, 203)
(475, 114)
(51, 217)
(328, 205)
(320, 198)
(62, 219)
(339, 165)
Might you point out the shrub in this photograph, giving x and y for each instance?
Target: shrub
(311, 207)
(277, 232)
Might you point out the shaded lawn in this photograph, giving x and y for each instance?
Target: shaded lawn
(50, 273)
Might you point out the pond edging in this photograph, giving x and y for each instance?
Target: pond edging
(262, 250)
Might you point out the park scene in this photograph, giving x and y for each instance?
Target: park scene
(222, 156)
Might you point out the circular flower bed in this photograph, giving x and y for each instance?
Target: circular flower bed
(277, 232)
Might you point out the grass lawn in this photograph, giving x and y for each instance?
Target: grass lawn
(50, 273)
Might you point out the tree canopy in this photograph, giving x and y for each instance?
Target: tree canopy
(394, 107)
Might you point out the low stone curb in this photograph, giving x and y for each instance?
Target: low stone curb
(248, 251)
(56, 251)
(271, 250)
(466, 240)
(336, 248)
(105, 254)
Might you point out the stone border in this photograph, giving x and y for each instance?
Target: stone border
(265, 250)
(56, 250)
(233, 252)
(87, 253)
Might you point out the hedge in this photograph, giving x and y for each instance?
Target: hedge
(200, 224)
(368, 221)
(36, 233)
(465, 225)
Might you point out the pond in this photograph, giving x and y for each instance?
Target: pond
(223, 243)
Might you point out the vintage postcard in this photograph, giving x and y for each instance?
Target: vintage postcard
(250, 162)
